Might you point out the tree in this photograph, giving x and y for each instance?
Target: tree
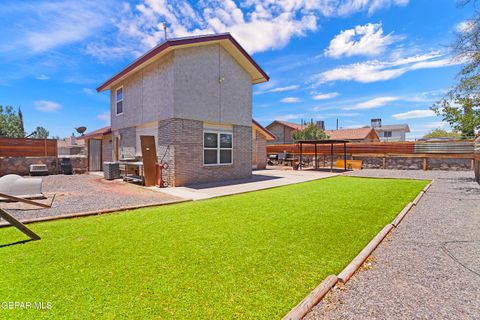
(10, 123)
(461, 105)
(40, 133)
(441, 133)
(310, 132)
(20, 117)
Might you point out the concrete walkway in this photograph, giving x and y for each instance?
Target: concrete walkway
(429, 267)
(261, 179)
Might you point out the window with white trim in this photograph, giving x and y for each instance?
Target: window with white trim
(119, 100)
(387, 134)
(217, 148)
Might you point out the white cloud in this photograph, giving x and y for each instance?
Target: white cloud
(279, 89)
(373, 103)
(47, 106)
(375, 70)
(287, 117)
(105, 116)
(414, 114)
(54, 24)
(257, 25)
(89, 91)
(325, 96)
(42, 77)
(290, 100)
(367, 40)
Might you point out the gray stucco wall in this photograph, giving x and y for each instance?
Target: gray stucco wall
(200, 95)
(186, 84)
(148, 95)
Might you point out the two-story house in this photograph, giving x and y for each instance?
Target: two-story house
(194, 95)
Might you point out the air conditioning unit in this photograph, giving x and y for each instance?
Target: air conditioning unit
(111, 170)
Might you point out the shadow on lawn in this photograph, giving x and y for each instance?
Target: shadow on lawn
(14, 243)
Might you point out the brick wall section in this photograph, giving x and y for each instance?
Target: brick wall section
(261, 150)
(188, 154)
(180, 145)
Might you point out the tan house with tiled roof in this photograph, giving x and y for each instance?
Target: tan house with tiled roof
(353, 135)
(283, 131)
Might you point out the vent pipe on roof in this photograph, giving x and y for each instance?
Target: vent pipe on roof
(165, 30)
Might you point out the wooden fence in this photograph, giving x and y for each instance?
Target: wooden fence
(12, 147)
(460, 149)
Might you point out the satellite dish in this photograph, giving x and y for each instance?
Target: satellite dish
(81, 130)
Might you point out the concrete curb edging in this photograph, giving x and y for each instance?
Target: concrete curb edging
(402, 214)
(427, 187)
(95, 213)
(353, 266)
(417, 199)
(301, 309)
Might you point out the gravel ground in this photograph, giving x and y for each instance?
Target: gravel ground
(428, 268)
(84, 193)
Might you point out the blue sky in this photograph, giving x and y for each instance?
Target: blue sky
(348, 59)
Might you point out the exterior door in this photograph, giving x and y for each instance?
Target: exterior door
(95, 155)
(149, 156)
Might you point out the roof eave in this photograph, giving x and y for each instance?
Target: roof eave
(143, 60)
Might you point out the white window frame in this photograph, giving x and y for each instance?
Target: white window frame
(218, 148)
(117, 101)
(387, 134)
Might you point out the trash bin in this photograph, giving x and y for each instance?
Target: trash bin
(66, 166)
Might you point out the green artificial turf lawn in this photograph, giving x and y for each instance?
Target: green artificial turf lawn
(249, 256)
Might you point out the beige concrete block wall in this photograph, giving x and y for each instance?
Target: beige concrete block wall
(107, 148)
(283, 134)
(260, 149)
(211, 86)
(148, 95)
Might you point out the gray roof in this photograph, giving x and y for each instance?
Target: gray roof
(393, 127)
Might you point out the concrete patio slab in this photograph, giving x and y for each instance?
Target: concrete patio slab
(261, 179)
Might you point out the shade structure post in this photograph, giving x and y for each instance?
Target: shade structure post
(316, 159)
(300, 159)
(345, 156)
(331, 157)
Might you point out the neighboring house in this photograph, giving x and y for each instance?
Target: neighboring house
(353, 135)
(260, 136)
(194, 95)
(99, 148)
(390, 133)
(283, 132)
(70, 146)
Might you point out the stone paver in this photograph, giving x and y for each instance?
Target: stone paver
(261, 179)
(429, 267)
